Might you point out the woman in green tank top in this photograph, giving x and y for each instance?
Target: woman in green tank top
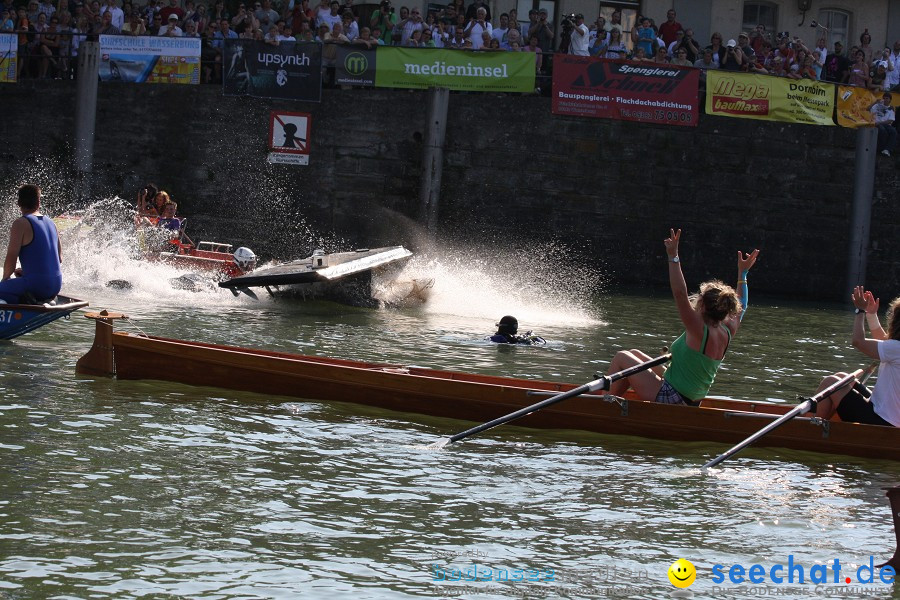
(711, 318)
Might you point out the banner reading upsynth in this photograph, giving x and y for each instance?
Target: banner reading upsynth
(149, 59)
(750, 96)
(288, 71)
(651, 93)
(421, 68)
(8, 64)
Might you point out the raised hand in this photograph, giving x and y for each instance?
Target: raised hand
(872, 303)
(859, 297)
(746, 261)
(671, 243)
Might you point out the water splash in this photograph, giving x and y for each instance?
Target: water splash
(547, 285)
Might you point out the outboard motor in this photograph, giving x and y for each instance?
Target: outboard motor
(245, 259)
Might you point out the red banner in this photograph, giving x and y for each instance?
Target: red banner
(584, 86)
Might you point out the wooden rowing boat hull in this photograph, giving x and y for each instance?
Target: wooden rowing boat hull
(480, 398)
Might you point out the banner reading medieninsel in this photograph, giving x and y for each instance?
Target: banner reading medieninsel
(8, 64)
(149, 59)
(750, 96)
(354, 66)
(467, 70)
(647, 92)
(288, 71)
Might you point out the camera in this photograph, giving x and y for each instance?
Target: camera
(568, 22)
(386, 7)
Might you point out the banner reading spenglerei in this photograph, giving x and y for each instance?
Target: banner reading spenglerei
(289, 71)
(421, 68)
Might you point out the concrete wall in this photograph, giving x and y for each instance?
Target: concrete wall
(512, 173)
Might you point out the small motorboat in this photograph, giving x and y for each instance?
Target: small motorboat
(19, 319)
(342, 276)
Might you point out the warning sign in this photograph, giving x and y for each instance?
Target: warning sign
(289, 133)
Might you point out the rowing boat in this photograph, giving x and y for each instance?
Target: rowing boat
(465, 396)
(19, 319)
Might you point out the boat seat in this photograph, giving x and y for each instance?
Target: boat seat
(28, 298)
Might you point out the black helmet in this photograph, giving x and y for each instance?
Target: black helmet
(508, 325)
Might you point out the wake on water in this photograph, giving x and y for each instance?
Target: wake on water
(545, 285)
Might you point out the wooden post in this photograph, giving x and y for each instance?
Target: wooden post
(893, 494)
(99, 360)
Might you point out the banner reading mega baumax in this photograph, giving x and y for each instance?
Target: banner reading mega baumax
(652, 93)
(769, 98)
(421, 68)
(149, 59)
(9, 46)
(854, 105)
(289, 71)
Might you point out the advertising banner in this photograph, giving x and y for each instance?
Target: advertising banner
(288, 71)
(584, 86)
(149, 59)
(354, 66)
(750, 96)
(854, 105)
(9, 46)
(422, 68)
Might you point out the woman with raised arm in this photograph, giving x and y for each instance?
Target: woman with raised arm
(711, 319)
(856, 403)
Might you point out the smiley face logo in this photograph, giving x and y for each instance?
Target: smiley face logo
(682, 573)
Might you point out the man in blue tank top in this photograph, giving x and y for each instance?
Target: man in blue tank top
(33, 241)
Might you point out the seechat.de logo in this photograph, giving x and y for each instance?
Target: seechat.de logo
(356, 63)
(682, 573)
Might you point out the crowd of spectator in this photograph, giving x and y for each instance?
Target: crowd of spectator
(49, 36)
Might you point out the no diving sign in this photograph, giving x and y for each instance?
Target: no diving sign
(289, 138)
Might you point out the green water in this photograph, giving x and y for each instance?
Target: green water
(150, 489)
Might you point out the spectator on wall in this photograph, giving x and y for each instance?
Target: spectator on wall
(118, 17)
(410, 24)
(883, 114)
(616, 48)
(757, 37)
(384, 19)
(865, 45)
(351, 28)
(578, 45)
(819, 54)
(644, 37)
(477, 26)
(171, 29)
(668, 31)
(151, 16)
(859, 71)
(171, 9)
(892, 80)
(134, 26)
(718, 49)
(105, 27)
(472, 10)
(837, 67)
(705, 63)
(543, 31)
(734, 58)
(499, 33)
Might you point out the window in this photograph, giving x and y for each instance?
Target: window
(837, 27)
(759, 13)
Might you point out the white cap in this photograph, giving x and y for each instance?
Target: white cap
(731, 44)
(173, 16)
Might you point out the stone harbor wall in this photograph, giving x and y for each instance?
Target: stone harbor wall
(513, 175)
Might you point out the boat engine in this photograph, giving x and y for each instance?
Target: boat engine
(245, 259)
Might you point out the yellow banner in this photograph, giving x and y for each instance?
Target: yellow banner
(750, 96)
(9, 44)
(854, 105)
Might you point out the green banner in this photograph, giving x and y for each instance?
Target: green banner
(467, 70)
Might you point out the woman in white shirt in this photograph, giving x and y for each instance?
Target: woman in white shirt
(851, 403)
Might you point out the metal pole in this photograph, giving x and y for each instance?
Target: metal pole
(433, 156)
(863, 189)
(86, 105)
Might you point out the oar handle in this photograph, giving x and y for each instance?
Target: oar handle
(601, 383)
(808, 404)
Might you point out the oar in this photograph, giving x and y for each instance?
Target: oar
(602, 383)
(809, 404)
